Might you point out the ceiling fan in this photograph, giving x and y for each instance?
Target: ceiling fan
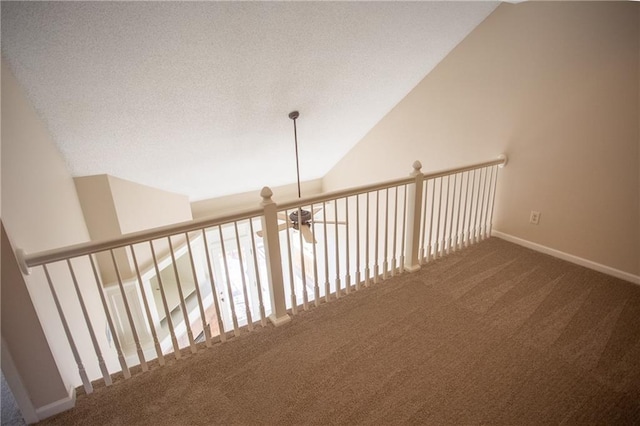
(305, 222)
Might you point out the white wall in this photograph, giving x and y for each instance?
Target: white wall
(553, 84)
(40, 211)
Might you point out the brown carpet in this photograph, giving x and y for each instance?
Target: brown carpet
(494, 334)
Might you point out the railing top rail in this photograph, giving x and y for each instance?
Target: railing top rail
(348, 192)
(91, 247)
(500, 161)
(83, 249)
(342, 193)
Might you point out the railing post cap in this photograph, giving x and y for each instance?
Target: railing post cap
(504, 158)
(417, 165)
(266, 194)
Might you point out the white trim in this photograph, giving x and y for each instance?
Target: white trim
(14, 381)
(58, 406)
(635, 279)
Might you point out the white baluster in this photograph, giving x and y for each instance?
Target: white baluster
(476, 220)
(146, 308)
(404, 229)
(338, 284)
(112, 329)
(232, 305)
(445, 248)
(316, 287)
(385, 263)
(366, 245)
(463, 241)
(493, 197)
(134, 332)
(376, 272)
(174, 340)
(453, 211)
(183, 305)
(438, 247)
(292, 278)
(327, 285)
(395, 234)
(214, 290)
(456, 245)
(167, 312)
(247, 306)
(103, 367)
(88, 388)
(346, 229)
(481, 227)
(263, 320)
(433, 203)
(472, 190)
(205, 327)
(303, 272)
(358, 277)
(423, 224)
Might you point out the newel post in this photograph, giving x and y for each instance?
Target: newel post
(414, 213)
(271, 237)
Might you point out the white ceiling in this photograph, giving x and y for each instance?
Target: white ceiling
(194, 97)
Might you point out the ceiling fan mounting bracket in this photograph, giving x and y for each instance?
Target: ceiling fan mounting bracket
(294, 114)
(306, 217)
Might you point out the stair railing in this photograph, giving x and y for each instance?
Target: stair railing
(362, 236)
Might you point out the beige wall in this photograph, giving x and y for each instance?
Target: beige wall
(94, 193)
(252, 199)
(40, 211)
(554, 85)
(113, 207)
(141, 207)
(22, 333)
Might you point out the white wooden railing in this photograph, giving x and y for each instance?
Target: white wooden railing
(215, 276)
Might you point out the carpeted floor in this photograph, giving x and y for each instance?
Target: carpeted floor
(11, 415)
(494, 334)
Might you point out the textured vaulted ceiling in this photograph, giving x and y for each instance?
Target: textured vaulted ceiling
(194, 97)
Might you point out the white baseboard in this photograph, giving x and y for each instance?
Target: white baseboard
(58, 406)
(635, 279)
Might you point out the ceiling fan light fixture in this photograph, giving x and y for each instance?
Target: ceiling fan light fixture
(300, 219)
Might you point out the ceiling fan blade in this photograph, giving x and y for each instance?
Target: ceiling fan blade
(316, 210)
(307, 234)
(283, 216)
(334, 222)
(281, 227)
(284, 226)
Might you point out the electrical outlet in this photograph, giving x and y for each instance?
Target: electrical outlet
(534, 217)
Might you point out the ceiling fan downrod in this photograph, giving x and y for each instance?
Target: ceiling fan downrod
(294, 116)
